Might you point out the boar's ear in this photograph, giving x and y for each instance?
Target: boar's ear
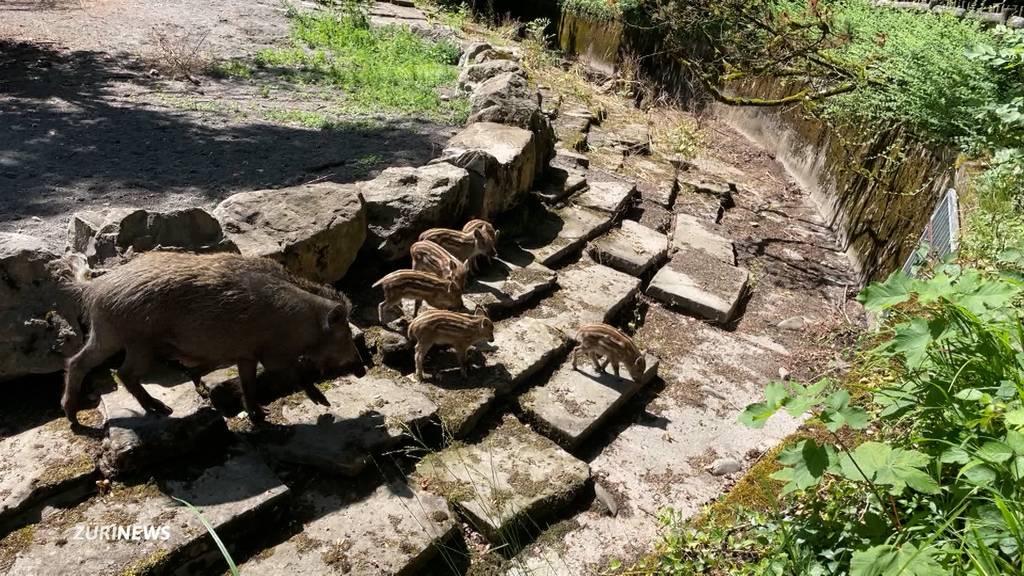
(337, 314)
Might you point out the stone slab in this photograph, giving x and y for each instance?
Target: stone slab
(556, 235)
(589, 292)
(510, 478)
(574, 402)
(628, 139)
(560, 183)
(690, 232)
(522, 347)
(569, 159)
(135, 439)
(45, 460)
(700, 284)
(511, 282)
(367, 415)
(394, 530)
(461, 403)
(233, 496)
(632, 248)
(609, 194)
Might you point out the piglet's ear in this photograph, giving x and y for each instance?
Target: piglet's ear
(478, 234)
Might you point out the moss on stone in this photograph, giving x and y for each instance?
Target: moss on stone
(13, 544)
(147, 564)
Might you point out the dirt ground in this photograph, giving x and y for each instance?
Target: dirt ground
(93, 114)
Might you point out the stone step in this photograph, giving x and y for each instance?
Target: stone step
(605, 193)
(560, 183)
(575, 402)
(567, 159)
(700, 284)
(511, 282)
(396, 529)
(690, 232)
(367, 415)
(633, 248)
(513, 478)
(557, 235)
(45, 461)
(656, 180)
(234, 496)
(521, 348)
(136, 439)
(589, 292)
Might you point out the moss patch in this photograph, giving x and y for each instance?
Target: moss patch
(13, 544)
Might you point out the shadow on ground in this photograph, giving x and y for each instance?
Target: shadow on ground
(88, 129)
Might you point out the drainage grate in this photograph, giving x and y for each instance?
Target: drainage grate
(940, 236)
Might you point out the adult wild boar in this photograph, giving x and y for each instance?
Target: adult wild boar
(204, 311)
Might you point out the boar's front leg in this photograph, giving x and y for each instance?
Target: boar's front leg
(90, 356)
(137, 361)
(247, 378)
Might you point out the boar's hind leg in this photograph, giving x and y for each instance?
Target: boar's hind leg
(247, 377)
(136, 363)
(90, 356)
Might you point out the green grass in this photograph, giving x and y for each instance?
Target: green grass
(386, 70)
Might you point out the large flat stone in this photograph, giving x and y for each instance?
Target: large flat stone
(589, 292)
(632, 248)
(502, 163)
(136, 439)
(314, 230)
(560, 183)
(395, 529)
(690, 232)
(403, 202)
(367, 415)
(556, 235)
(567, 159)
(523, 347)
(605, 194)
(233, 497)
(511, 478)
(509, 283)
(698, 283)
(461, 403)
(574, 402)
(43, 461)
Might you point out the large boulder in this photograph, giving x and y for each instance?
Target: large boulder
(106, 235)
(507, 99)
(314, 230)
(38, 313)
(474, 74)
(403, 202)
(501, 161)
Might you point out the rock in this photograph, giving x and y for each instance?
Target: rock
(103, 236)
(403, 202)
(235, 497)
(793, 323)
(470, 53)
(473, 74)
(689, 232)
(396, 529)
(559, 183)
(367, 416)
(461, 403)
(509, 283)
(41, 462)
(589, 292)
(572, 130)
(723, 466)
(629, 139)
(784, 374)
(605, 193)
(606, 498)
(383, 14)
(314, 230)
(556, 235)
(510, 477)
(502, 162)
(136, 440)
(38, 313)
(700, 284)
(567, 159)
(575, 402)
(508, 99)
(523, 347)
(633, 248)
(656, 179)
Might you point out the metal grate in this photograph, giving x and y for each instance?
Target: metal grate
(940, 236)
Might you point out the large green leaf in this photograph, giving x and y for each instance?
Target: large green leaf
(804, 465)
(882, 295)
(994, 451)
(913, 338)
(888, 560)
(1015, 418)
(977, 472)
(895, 468)
(838, 413)
(755, 415)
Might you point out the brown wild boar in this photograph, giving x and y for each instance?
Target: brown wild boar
(440, 327)
(596, 340)
(420, 287)
(488, 229)
(429, 257)
(464, 246)
(204, 311)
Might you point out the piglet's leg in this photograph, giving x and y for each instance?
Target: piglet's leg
(91, 355)
(247, 376)
(596, 359)
(136, 363)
